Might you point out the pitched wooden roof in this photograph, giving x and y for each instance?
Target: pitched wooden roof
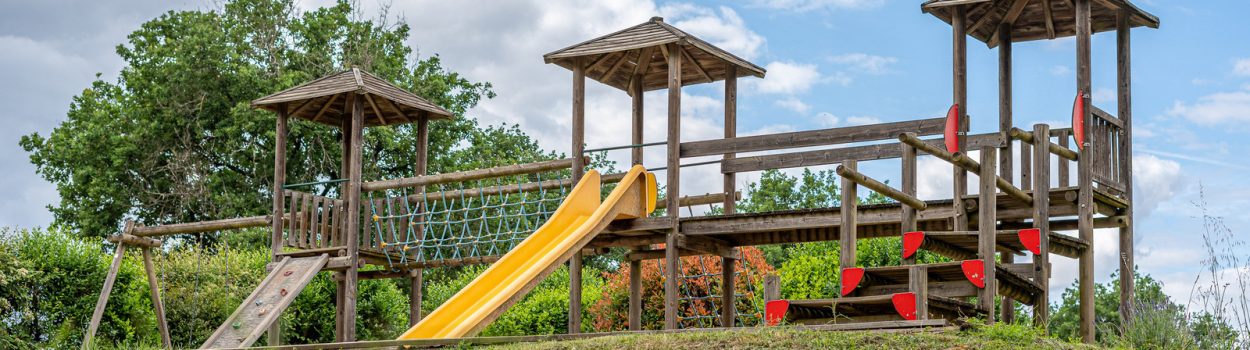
(1035, 19)
(324, 100)
(615, 58)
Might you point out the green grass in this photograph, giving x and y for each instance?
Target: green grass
(992, 337)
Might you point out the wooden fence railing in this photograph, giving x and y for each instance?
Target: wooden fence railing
(1106, 133)
(313, 221)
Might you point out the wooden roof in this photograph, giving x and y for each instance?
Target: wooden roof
(1035, 19)
(325, 100)
(615, 58)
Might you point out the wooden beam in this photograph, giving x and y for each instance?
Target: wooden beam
(376, 112)
(640, 68)
(1050, 19)
(708, 245)
(838, 155)
(1085, 176)
(501, 171)
(103, 300)
(636, 156)
(1124, 105)
(881, 188)
(672, 261)
(1062, 152)
(157, 305)
(989, 8)
(822, 137)
(326, 107)
(959, 96)
(577, 148)
(615, 66)
(693, 62)
(988, 236)
(1013, 13)
(203, 226)
(353, 216)
(1041, 221)
(907, 219)
(849, 213)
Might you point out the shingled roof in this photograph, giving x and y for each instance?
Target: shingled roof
(325, 100)
(1035, 19)
(615, 58)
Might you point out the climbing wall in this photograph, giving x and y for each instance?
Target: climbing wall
(266, 303)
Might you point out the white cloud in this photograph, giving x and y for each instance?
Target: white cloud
(1060, 70)
(861, 120)
(1104, 96)
(788, 78)
(1154, 181)
(863, 62)
(1219, 108)
(721, 27)
(808, 5)
(827, 119)
(794, 104)
(1242, 67)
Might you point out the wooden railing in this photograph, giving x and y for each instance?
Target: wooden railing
(1106, 133)
(313, 221)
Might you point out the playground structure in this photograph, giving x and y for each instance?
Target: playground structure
(526, 219)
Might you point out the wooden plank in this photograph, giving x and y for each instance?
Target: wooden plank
(672, 261)
(1124, 105)
(823, 137)
(987, 225)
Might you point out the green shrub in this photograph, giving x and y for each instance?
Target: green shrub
(543, 311)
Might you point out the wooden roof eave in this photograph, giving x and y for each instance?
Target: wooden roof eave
(942, 10)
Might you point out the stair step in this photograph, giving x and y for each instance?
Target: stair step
(962, 245)
(874, 308)
(945, 280)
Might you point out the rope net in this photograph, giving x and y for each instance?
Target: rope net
(699, 285)
(462, 222)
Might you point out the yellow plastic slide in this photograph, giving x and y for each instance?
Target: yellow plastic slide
(578, 219)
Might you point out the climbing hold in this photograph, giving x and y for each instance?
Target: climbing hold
(288, 273)
(905, 304)
(375, 217)
(258, 302)
(850, 279)
(383, 244)
(282, 292)
(951, 133)
(912, 242)
(407, 247)
(236, 325)
(263, 311)
(974, 270)
(1078, 119)
(775, 311)
(1031, 238)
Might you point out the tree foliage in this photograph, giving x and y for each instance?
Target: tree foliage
(174, 139)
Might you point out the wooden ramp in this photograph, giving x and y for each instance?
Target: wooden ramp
(266, 303)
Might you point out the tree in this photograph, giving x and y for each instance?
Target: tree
(175, 140)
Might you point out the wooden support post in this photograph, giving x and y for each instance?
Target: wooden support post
(672, 261)
(908, 220)
(1125, 110)
(416, 277)
(353, 217)
(850, 212)
(1085, 202)
(918, 283)
(988, 230)
(1005, 115)
(100, 303)
(1041, 221)
(960, 97)
(635, 266)
(156, 298)
(772, 287)
(340, 285)
(279, 179)
(728, 265)
(579, 145)
(1061, 168)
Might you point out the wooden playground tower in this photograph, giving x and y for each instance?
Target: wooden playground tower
(1012, 214)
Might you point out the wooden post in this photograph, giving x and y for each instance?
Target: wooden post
(1041, 221)
(1005, 115)
(772, 287)
(850, 210)
(671, 257)
(279, 179)
(156, 298)
(908, 220)
(416, 276)
(353, 217)
(1085, 208)
(918, 283)
(1125, 111)
(340, 280)
(635, 266)
(731, 130)
(960, 97)
(578, 147)
(104, 293)
(988, 229)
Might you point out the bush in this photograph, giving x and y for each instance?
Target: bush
(543, 311)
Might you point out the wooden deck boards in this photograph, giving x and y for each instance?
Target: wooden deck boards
(875, 308)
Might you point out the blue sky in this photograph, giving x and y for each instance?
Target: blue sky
(831, 63)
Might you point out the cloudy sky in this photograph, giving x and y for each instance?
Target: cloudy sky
(830, 63)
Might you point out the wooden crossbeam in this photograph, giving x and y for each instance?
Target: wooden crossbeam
(708, 245)
(1013, 13)
(1050, 19)
(326, 107)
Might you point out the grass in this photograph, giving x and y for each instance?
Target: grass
(990, 337)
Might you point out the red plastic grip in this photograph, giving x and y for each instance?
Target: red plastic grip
(850, 279)
(974, 270)
(912, 242)
(1031, 238)
(1078, 119)
(951, 133)
(775, 311)
(905, 304)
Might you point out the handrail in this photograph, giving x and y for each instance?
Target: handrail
(882, 188)
(822, 137)
(202, 226)
(507, 170)
(1064, 152)
(613, 148)
(314, 183)
(961, 160)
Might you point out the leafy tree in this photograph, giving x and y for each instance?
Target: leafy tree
(173, 139)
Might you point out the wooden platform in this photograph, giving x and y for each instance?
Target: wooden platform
(871, 309)
(962, 245)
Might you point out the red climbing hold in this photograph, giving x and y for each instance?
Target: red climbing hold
(850, 279)
(912, 242)
(775, 311)
(905, 304)
(1078, 119)
(952, 129)
(974, 270)
(282, 292)
(1031, 238)
(288, 273)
